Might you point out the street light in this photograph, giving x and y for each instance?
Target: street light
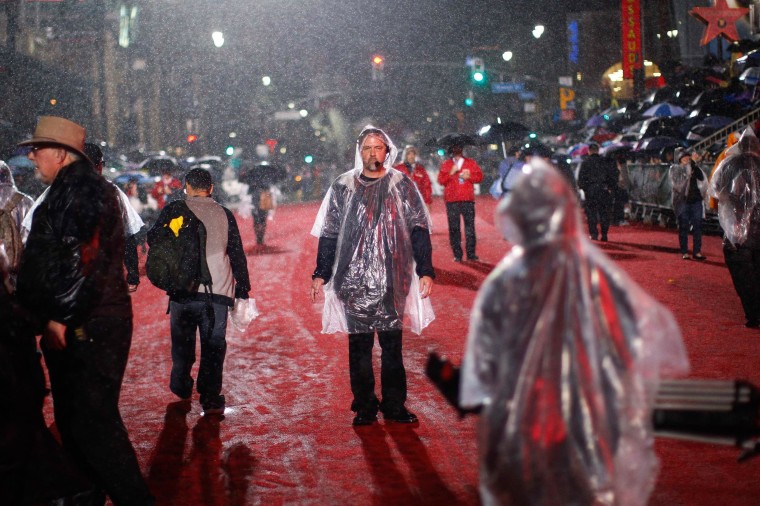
(303, 113)
(538, 31)
(506, 55)
(218, 38)
(266, 80)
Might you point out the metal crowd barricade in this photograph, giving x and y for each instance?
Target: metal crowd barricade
(710, 411)
(649, 193)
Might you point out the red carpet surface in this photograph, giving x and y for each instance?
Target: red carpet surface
(287, 438)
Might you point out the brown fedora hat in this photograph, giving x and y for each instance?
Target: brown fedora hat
(58, 131)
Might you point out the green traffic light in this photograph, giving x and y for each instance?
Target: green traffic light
(308, 158)
(478, 77)
(468, 102)
(441, 152)
(230, 150)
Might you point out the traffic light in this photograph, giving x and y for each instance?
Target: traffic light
(230, 150)
(308, 158)
(477, 71)
(378, 64)
(469, 100)
(192, 138)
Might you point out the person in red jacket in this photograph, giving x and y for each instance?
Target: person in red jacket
(168, 188)
(457, 176)
(417, 172)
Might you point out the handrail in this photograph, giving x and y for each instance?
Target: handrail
(724, 132)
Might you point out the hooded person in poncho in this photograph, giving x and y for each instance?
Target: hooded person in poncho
(17, 206)
(735, 185)
(564, 355)
(375, 265)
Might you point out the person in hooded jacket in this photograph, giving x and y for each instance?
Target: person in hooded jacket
(374, 264)
(18, 205)
(688, 185)
(735, 186)
(563, 358)
(415, 170)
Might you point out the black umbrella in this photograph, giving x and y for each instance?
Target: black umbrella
(617, 151)
(159, 164)
(455, 139)
(263, 174)
(500, 132)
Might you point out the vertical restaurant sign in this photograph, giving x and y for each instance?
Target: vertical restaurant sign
(631, 37)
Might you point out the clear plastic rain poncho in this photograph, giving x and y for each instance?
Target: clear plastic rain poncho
(679, 176)
(564, 354)
(735, 184)
(373, 284)
(7, 190)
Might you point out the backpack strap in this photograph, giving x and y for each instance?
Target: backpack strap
(205, 273)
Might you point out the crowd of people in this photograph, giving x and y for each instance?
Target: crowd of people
(68, 272)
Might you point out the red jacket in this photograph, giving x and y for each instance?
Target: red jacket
(421, 179)
(162, 190)
(453, 189)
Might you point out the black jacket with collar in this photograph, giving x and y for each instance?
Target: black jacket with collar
(72, 266)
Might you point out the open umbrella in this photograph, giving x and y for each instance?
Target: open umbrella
(665, 109)
(20, 161)
(262, 174)
(596, 120)
(751, 76)
(578, 150)
(699, 132)
(157, 165)
(456, 139)
(504, 131)
(655, 144)
(616, 150)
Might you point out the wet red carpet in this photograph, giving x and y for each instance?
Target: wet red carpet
(287, 436)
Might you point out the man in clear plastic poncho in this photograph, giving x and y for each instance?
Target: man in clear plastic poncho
(735, 185)
(375, 262)
(564, 355)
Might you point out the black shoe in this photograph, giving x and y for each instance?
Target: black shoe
(473, 258)
(214, 406)
(364, 418)
(604, 238)
(400, 416)
(182, 393)
(458, 260)
(594, 237)
(752, 324)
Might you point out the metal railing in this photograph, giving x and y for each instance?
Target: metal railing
(722, 134)
(650, 192)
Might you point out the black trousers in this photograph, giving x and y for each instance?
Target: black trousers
(85, 378)
(467, 211)
(392, 373)
(259, 223)
(744, 266)
(598, 213)
(187, 319)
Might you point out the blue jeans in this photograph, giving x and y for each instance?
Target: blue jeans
(186, 318)
(690, 217)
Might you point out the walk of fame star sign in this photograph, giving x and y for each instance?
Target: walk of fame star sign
(720, 20)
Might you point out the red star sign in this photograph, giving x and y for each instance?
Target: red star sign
(720, 20)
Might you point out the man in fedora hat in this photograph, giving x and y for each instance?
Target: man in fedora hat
(71, 280)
